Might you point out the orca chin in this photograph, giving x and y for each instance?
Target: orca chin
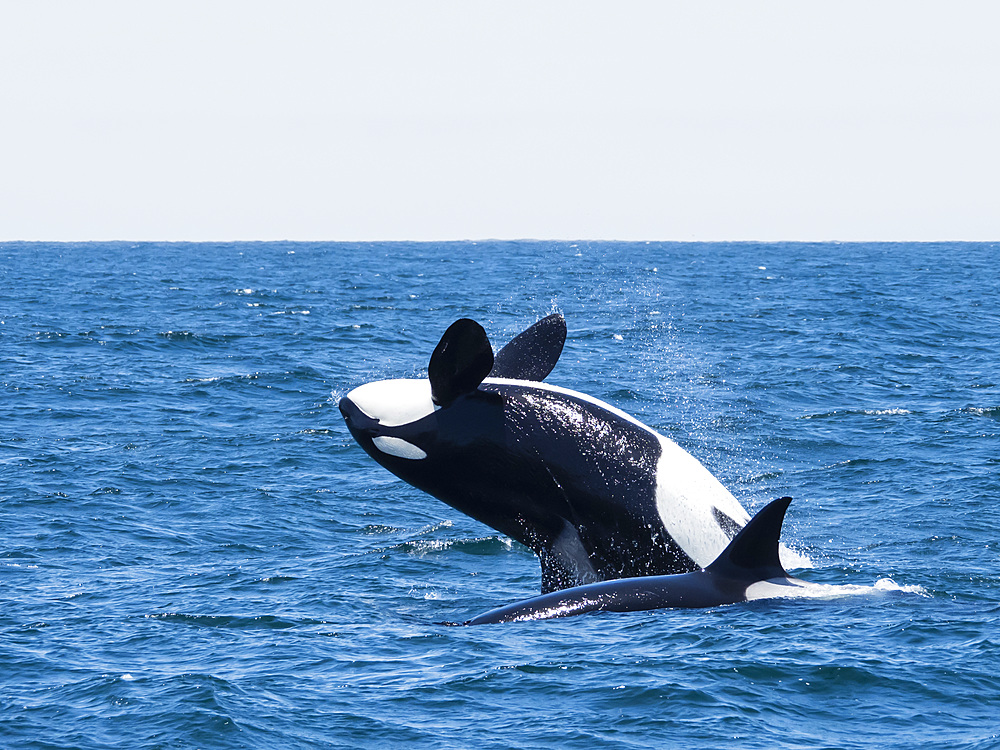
(362, 427)
(377, 439)
(596, 494)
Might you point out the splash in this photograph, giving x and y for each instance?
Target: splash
(794, 588)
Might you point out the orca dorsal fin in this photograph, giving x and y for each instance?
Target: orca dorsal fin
(460, 361)
(753, 553)
(533, 353)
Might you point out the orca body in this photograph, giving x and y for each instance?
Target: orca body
(749, 568)
(593, 492)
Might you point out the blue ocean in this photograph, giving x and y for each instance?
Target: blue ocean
(194, 553)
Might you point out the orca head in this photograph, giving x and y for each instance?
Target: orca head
(400, 423)
(384, 418)
(445, 434)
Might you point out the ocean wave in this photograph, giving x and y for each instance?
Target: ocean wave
(194, 338)
(888, 412)
(235, 622)
(978, 411)
(257, 377)
(982, 411)
(485, 545)
(216, 587)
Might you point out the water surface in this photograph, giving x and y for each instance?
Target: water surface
(194, 553)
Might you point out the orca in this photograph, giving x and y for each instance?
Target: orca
(596, 494)
(748, 568)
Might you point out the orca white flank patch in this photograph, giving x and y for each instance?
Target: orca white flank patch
(398, 447)
(686, 492)
(394, 402)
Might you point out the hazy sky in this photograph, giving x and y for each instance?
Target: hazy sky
(665, 120)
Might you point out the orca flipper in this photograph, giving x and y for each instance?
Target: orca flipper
(460, 361)
(533, 353)
(566, 563)
(753, 553)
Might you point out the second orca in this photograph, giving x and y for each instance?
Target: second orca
(749, 568)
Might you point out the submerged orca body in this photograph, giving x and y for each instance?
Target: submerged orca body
(748, 568)
(593, 492)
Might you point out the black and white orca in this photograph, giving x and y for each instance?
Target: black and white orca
(596, 494)
(749, 568)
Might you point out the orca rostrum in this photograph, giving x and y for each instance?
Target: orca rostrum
(596, 494)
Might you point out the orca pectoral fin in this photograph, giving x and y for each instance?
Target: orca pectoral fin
(753, 552)
(460, 361)
(565, 563)
(533, 353)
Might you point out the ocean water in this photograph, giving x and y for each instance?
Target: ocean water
(195, 554)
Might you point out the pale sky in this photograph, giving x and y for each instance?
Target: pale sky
(420, 119)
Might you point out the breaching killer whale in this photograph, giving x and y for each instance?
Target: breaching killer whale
(596, 494)
(749, 568)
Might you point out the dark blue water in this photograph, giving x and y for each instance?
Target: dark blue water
(195, 554)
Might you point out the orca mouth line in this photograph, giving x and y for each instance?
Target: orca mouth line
(356, 419)
(372, 435)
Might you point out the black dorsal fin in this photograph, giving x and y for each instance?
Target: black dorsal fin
(460, 361)
(533, 353)
(753, 553)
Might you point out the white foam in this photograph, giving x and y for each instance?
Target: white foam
(792, 559)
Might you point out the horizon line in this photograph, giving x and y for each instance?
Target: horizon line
(501, 239)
